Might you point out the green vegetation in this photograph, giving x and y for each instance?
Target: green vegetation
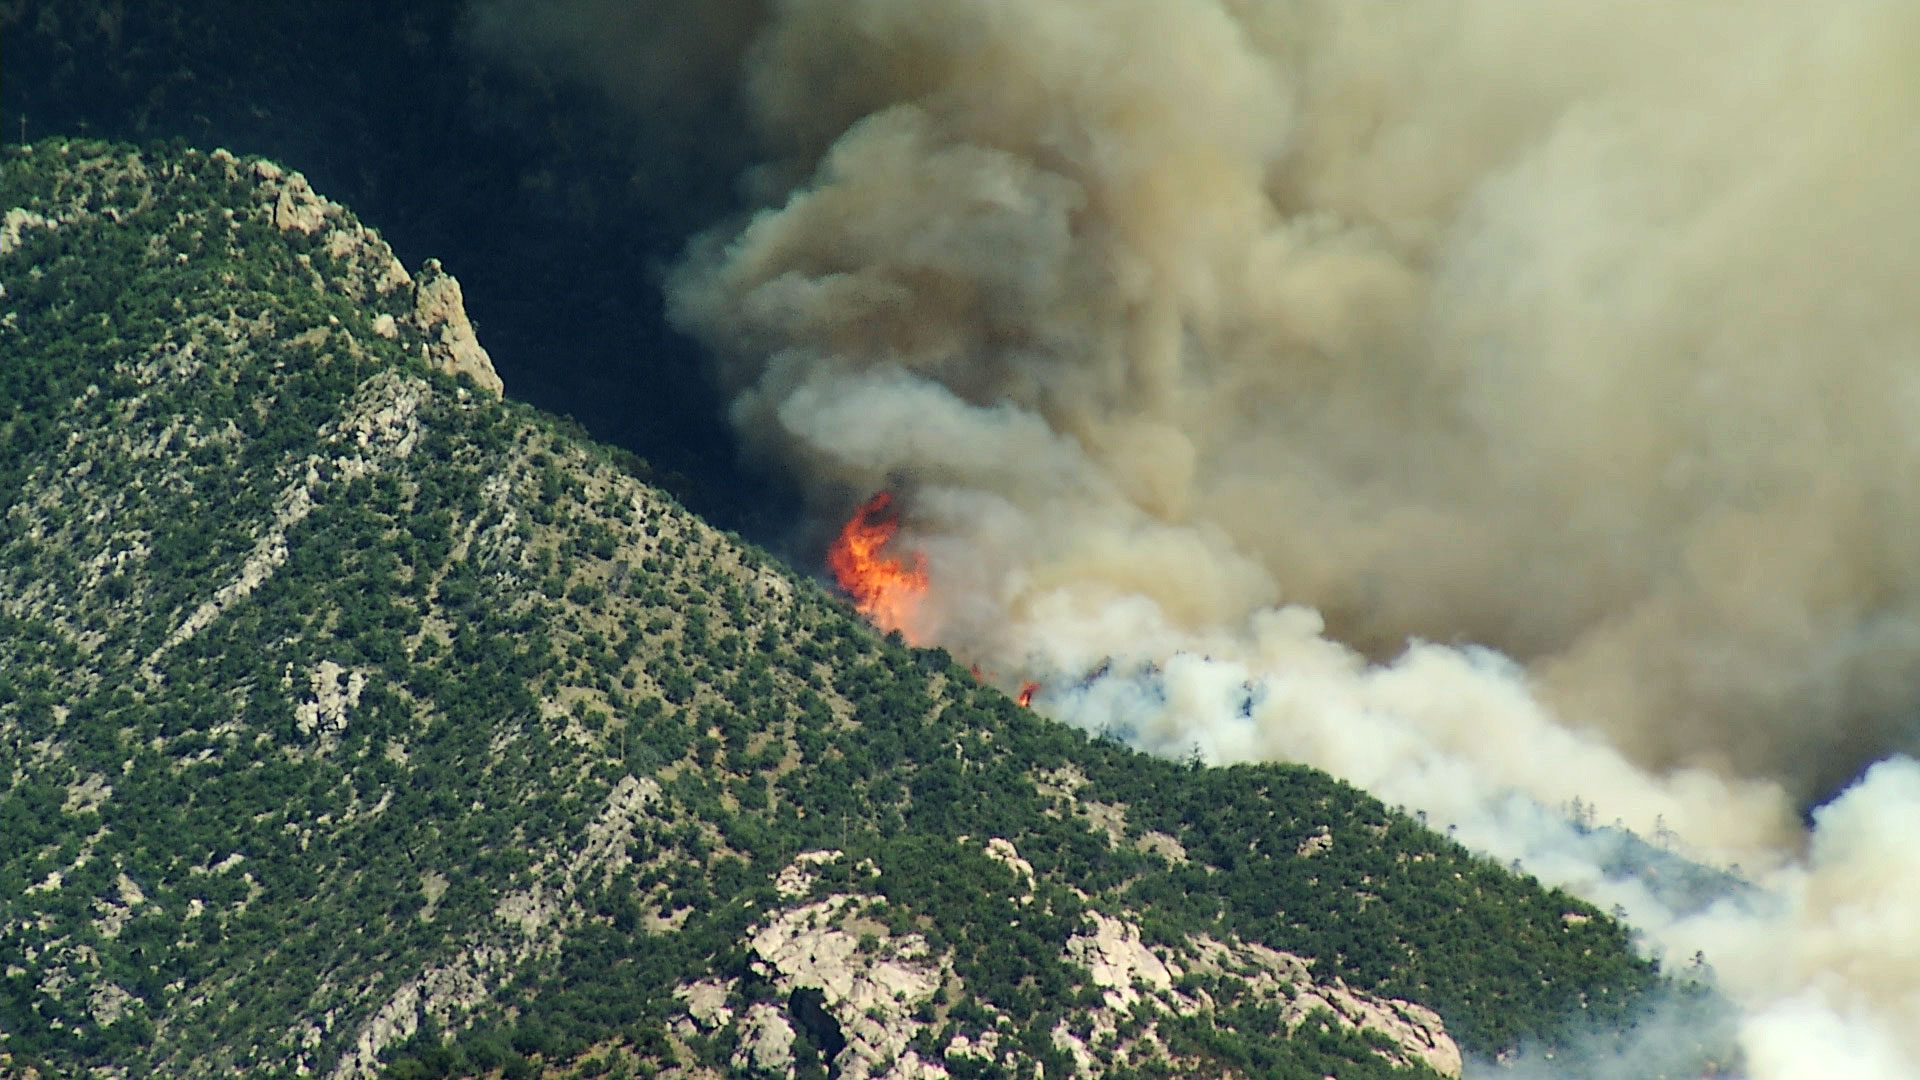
(345, 704)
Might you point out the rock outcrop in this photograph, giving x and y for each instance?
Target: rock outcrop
(440, 316)
(1132, 976)
(1417, 1031)
(881, 992)
(438, 321)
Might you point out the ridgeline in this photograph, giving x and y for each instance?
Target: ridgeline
(356, 721)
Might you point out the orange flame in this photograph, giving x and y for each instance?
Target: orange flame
(884, 588)
(1025, 697)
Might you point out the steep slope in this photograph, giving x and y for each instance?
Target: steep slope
(351, 714)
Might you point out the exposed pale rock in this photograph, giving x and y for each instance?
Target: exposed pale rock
(1134, 978)
(433, 885)
(88, 795)
(232, 860)
(1109, 818)
(1062, 782)
(438, 992)
(109, 1002)
(807, 946)
(797, 878)
(298, 208)
(1084, 1063)
(870, 990)
(1001, 850)
(440, 314)
(381, 428)
(633, 798)
(528, 911)
(115, 913)
(707, 1002)
(50, 883)
(766, 1040)
(1116, 959)
(16, 221)
(988, 1046)
(336, 692)
(130, 892)
(1313, 845)
(268, 555)
(373, 261)
(911, 1066)
(1163, 845)
(388, 423)
(774, 585)
(1417, 1030)
(439, 317)
(537, 915)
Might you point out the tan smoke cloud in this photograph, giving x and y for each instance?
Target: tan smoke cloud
(1257, 339)
(1584, 337)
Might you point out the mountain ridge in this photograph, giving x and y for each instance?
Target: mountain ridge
(338, 686)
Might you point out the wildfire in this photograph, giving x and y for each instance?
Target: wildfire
(885, 588)
(1025, 697)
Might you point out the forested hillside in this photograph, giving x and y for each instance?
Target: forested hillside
(355, 719)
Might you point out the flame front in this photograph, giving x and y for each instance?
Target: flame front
(885, 588)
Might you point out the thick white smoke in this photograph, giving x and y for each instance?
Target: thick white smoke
(1492, 402)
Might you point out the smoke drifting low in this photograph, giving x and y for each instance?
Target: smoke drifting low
(1492, 402)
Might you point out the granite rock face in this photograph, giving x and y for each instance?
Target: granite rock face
(883, 992)
(440, 316)
(438, 323)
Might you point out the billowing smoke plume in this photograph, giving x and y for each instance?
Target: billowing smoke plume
(1492, 402)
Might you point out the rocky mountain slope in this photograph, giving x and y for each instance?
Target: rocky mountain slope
(355, 720)
(390, 107)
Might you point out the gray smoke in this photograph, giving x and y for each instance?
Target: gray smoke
(1492, 402)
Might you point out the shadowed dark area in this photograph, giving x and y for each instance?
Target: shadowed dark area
(808, 1007)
